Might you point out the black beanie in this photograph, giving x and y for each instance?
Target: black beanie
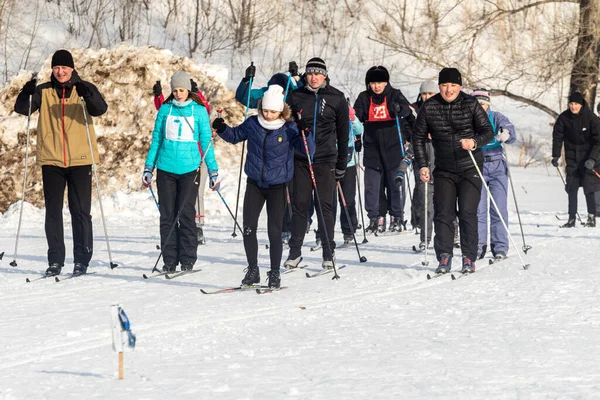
(576, 97)
(377, 74)
(316, 65)
(450, 75)
(62, 58)
(278, 79)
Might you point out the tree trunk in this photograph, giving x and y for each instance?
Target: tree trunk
(584, 75)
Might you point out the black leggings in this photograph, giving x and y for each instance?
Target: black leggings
(254, 200)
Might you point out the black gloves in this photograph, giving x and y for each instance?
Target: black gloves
(29, 87)
(219, 125)
(194, 86)
(554, 162)
(250, 72)
(157, 89)
(82, 89)
(339, 174)
(398, 110)
(293, 68)
(358, 144)
(589, 164)
(302, 125)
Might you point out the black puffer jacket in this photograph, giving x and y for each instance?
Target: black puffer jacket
(580, 134)
(381, 142)
(332, 122)
(448, 123)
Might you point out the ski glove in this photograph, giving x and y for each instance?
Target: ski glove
(399, 179)
(589, 164)
(147, 177)
(399, 111)
(293, 68)
(29, 87)
(82, 89)
(219, 125)
(194, 86)
(214, 182)
(302, 125)
(339, 174)
(358, 143)
(250, 72)
(503, 135)
(554, 162)
(157, 89)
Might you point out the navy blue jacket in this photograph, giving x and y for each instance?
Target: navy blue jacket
(270, 156)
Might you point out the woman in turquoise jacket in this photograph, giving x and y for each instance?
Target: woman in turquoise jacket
(181, 123)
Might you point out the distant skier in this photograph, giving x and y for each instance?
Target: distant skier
(579, 129)
(377, 107)
(158, 102)
(272, 137)
(495, 174)
(182, 124)
(63, 152)
(289, 82)
(457, 124)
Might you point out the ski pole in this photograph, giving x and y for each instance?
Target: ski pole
(425, 223)
(14, 261)
(196, 182)
(87, 128)
(314, 182)
(525, 266)
(362, 215)
(512, 188)
(237, 201)
(154, 197)
(565, 183)
(230, 213)
(341, 193)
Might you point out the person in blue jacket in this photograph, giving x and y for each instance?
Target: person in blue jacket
(181, 123)
(289, 82)
(495, 174)
(272, 138)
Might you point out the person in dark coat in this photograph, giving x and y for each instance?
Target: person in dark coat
(323, 110)
(272, 138)
(579, 129)
(457, 124)
(377, 108)
(63, 152)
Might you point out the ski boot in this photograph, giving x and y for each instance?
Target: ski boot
(348, 239)
(570, 223)
(395, 224)
(292, 263)
(591, 221)
(468, 265)
(285, 237)
(422, 246)
(372, 228)
(252, 276)
(381, 225)
(445, 264)
(201, 238)
(188, 266)
(274, 278)
(79, 269)
(499, 257)
(328, 264)
(53, 269)
(168, 267)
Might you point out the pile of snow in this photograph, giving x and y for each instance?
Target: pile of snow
(125, 76)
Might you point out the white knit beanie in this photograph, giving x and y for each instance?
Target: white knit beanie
(273, 98)
(181, 79)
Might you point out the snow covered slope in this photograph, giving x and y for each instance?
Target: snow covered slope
(383, 331)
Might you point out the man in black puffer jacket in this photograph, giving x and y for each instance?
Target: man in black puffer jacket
(457, 123)
(579, 129)
(322, 109)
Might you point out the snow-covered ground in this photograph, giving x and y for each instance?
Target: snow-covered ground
(382, 331)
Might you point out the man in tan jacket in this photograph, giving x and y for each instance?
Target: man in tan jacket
(63, 152)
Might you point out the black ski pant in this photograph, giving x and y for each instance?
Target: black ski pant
(574, 182)
(79, 183)
(177, 192)
(254, 200)
(301, 200)
(372, 193)
(348, 183)
(448, 188)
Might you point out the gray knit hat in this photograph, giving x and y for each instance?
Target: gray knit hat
(429, 87)
(181, 79)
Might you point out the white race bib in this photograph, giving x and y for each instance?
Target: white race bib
(180, 129)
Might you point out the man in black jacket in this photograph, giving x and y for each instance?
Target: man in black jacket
(457, 124)
(322, 109)
(579, 129)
